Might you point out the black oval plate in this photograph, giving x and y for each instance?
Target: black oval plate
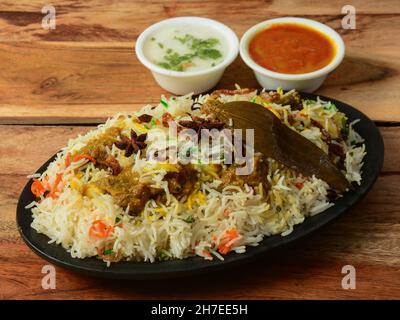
(373, 162)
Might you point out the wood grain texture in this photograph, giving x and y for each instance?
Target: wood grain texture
(86, 70)
(367, 237)
(90, 83)
(124, 20)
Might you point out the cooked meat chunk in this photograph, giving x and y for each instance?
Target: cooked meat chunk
(106, 253)
(257, 176)
(166, 119)
(181, 183)
(271, 96)
(337, 154)
(112, 163)
(293, 99)
(145, 118)
(97, 148)
(210, 108)
(138, 197)
(335, 150)
(217, 93)
(127, 190)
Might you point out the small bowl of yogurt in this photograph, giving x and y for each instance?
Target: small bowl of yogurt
(187, 54)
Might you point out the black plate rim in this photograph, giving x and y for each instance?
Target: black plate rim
(193, 265)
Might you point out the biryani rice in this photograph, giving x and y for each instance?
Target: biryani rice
(199, 223)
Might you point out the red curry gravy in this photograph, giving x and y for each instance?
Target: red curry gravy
(291, 48)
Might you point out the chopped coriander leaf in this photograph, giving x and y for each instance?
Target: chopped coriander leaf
(345, 127)
(330, 107)
(107, 252)
(165, 65)
(162, 255)
(213, 64)
(308, 102)
(160, 45)
(164, 103)
(209, 54)
(189, 219)
(198, 48)
(117, 219)
(175, 60)
(152, 39)
(197, 43)
(184, 39)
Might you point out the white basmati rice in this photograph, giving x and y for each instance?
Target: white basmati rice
(162, 230)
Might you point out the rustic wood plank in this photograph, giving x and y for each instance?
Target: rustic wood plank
(85, 71)
(367, 237)
(84, 83)
(123, 20)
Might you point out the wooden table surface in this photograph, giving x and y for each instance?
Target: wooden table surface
(57, 83)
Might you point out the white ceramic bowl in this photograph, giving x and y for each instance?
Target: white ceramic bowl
(307, 82)
(192, 81)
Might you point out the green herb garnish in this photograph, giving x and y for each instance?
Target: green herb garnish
(197, 43)
(162, 255)
(189, 219)
(201, 48)
(345, 128)
(165, 104)
(107, 252)
(117, 219)
(308, 102)
(160, 45)
(175, 62)
(330, 107)
(209, 54)
(164, 65)
(152, 39)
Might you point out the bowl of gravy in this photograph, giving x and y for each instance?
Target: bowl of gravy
(291, 53)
